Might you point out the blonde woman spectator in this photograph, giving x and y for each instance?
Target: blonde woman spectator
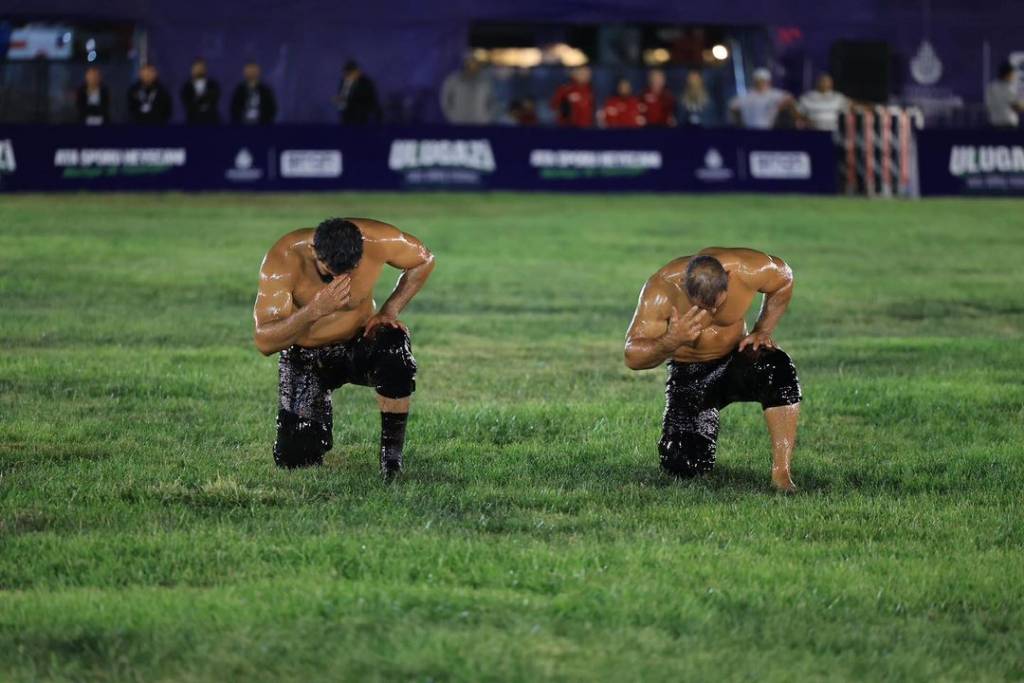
(694, 105)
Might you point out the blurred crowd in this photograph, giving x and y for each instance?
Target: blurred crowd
(762, 106)
(467, 97)
(252, 101)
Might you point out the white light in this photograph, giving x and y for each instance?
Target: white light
(720, 52)
(517, 57)
(92, 56)
(90, 44)
(67, 37)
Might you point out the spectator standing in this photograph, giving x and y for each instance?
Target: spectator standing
(621, 110)
(357, 97)
(149, 103)
(467, 96)
(695, 105)
(253, 101)
(573, 102)
(93, 99)
(657, 105)
(760, 106)
(201, 95)
(1001, 99)
(823, 105)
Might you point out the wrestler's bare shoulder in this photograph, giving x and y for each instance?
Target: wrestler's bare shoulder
(673, 271)
(374, 230)
(286, 244)
(733, 257)
(662, 289)
(283, 254)
(378, 237)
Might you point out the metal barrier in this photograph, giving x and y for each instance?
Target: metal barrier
(879, 155)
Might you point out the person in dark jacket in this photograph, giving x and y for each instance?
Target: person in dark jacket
(253, 101)
(93, 99)
(201, 95)
(149, 103)
(357, 97)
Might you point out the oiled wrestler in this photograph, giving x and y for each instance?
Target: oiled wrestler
(315, 306)
(691, 314)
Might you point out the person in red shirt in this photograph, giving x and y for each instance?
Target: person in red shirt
(657, 105)
(574, 102)
(622, 110)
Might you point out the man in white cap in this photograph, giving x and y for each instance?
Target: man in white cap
(759, 107)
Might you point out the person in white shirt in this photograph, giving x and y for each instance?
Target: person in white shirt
(823, 105)
(759, 107)
(1002, 101)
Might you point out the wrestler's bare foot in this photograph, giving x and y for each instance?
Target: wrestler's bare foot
(782, 481)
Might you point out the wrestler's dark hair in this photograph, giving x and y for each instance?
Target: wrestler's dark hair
(706, 279)
(1005, 69)
(339, 244)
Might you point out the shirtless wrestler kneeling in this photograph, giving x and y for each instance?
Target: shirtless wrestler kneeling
(690, 314)
(315, 306)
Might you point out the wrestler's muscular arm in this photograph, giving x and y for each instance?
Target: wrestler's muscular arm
(402, 251)
(774, 278)
(278, 323)
(657, 329)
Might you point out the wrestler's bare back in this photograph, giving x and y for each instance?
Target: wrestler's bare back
(289, 279)
(750, 272)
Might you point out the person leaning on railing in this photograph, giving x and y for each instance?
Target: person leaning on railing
(467, 96)
(621, 110)
(694, 104)
(356, 99)
(92, 99)
(823, 105)
(657, 105)
(253, 101)
(759, 107)
(149, 103)
(1002, 100)
(573, 102)
(201, 96)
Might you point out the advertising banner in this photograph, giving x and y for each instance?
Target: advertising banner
(966, 162)
(282, 158)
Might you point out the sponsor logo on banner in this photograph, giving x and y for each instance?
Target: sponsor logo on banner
(8, 164)
(243, 172)
(311, 163)
(560, 164)
(442, 162)
(780, 165)
(714, 169)
(94, 162)
(988, 167)
(926, 67)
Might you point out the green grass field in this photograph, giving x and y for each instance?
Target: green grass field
(146, 535)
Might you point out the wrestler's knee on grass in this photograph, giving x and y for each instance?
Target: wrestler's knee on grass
(394, 372)
(686, 454)
(777, 380)
(300, 442)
